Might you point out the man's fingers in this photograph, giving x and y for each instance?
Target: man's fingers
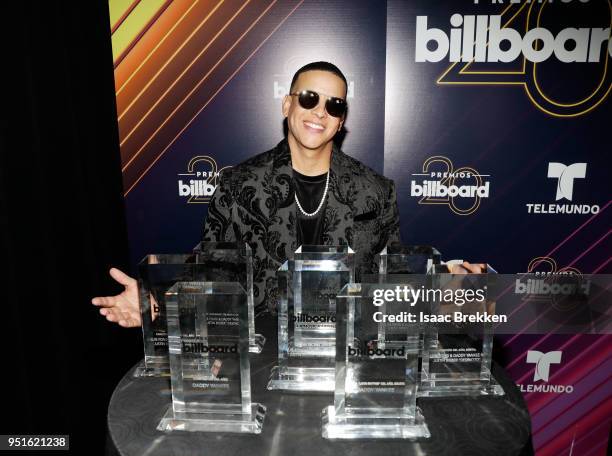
(104, 301)
(122, 277)
(110, 316)
(124, 319)
(128, 323)
(476, 268)
(458, 269)
(468, 268)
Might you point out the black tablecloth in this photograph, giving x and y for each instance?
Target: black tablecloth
(459, 426)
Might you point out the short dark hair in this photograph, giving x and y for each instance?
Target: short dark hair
(320, 66)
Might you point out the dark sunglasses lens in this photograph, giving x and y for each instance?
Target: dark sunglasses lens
(308, 99)
(336, 107)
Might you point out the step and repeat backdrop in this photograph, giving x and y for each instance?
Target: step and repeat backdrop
(491, 117)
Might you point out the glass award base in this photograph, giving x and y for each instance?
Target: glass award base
(302, 379)
(153, 370)
(442, 388)
(372, 427)
(256, 345)
(215, 421)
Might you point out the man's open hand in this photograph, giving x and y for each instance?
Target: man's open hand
(467, 268)
(123, 308)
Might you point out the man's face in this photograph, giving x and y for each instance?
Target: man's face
(314, 128)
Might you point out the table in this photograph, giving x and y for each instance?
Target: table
(459, 426)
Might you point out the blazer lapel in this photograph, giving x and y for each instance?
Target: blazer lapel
(280, 204)
(338, 223)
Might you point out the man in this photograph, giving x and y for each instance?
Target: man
(304, 191)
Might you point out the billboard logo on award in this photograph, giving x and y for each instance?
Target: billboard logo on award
(517, 47)
(371, 350)
(543, 363)
(199, 183)
(565, 176)
(460, 189)
(200, 347)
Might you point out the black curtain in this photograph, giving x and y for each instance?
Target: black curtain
(62, 222)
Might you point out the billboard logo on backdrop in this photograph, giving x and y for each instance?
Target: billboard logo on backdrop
(551, 284)
(546, 266)
(565, 176)
(198, 184)
(480, 38)
(460, 189)
(511, 47)
(543, 363)
(545, 280)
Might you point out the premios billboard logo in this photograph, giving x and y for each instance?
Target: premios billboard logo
(460, 189)
(542, 372)
(562, 289)
(565, 177)
(511, 47)
(545, 265)
(199, 182)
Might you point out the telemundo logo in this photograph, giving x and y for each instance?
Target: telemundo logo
(543, 362)
(565, 176)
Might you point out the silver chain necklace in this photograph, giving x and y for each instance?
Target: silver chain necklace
(312, 214)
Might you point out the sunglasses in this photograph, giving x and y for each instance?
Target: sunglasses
(334, 106)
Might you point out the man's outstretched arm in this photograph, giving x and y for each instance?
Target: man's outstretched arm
(124, 308)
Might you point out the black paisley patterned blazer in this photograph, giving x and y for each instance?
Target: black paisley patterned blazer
(254, 203)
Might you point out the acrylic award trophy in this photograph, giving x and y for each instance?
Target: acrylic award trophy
(308, 284)
(396, 260)
(208, 333)
(457, 354)
(212, 262)
(156, 274)
(377, 368)
(232, 261)
(407, 259)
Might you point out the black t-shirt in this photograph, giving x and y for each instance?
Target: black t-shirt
(309, 191)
